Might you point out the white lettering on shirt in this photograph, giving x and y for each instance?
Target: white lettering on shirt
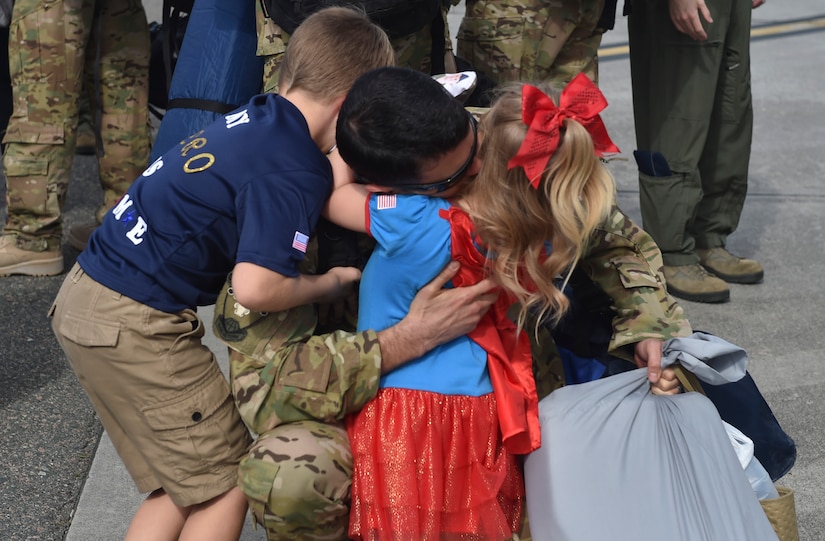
(124, 203)
(152, 169)
(235, 119)
(136, 234)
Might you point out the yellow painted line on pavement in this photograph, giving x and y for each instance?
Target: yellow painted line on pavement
(618, 50)
(759, 32)
(788, 28)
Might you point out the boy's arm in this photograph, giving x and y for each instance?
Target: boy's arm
(264, 290)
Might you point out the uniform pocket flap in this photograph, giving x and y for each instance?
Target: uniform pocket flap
(634, 273)
(46, 134)
(192, 408)
(310, 372)
(26, 168)
(89, 332)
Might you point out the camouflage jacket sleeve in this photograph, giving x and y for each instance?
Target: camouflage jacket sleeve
(280, 372)
(627, 264)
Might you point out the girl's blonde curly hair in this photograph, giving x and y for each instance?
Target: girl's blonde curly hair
(520, 224)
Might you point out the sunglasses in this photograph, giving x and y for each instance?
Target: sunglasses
(442, 185)
(447, 183)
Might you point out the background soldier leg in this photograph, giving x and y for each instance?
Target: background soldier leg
(47, 42)
(121, 40)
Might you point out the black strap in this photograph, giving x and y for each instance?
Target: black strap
(173, 14)
(204, 105)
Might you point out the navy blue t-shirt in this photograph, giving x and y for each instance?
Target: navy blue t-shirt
(248, 188)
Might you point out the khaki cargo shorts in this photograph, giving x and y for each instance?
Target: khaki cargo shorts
(158, 391)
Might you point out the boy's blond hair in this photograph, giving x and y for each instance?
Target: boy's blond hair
(516, 220)
(332, 48)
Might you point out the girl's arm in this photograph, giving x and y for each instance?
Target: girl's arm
(347, 207)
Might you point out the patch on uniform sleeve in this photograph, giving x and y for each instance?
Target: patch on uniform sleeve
(385, 201)
(299, 242)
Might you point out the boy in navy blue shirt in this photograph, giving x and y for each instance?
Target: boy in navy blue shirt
(241, 196)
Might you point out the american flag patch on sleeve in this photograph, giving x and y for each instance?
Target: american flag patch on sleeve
(385, 201)
(299, 241)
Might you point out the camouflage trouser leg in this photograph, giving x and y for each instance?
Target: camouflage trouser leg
(413, 51)
(530, 40)
(47, 42)
(297, 478)
(48, 58)
(122, 35)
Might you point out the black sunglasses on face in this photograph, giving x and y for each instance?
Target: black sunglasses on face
(447, 183)
(442, 185)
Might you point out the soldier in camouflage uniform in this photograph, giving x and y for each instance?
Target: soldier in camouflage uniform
(532, 40)
(52, 45)
(294, 388)
(413, 51)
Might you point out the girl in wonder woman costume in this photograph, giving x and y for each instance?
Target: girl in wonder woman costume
(436, 452)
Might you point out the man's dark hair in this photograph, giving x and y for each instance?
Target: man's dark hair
(393, 121)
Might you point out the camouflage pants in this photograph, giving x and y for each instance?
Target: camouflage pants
(532, 40)
(53, 46)
(413, 51)
(297, 479)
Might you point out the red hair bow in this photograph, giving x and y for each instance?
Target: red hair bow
(580, 100)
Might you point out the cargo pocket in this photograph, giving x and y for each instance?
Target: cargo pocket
(634, 273)
(668, 204)
(306, 375)
(493, 46)
(305, 382)
(88, 332)
(26, 182)
(200, 430)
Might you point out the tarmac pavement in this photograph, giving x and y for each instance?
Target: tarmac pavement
(60, 480)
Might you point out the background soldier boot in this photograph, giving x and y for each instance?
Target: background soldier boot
(14, 260)
(731, 268)
(694, 283)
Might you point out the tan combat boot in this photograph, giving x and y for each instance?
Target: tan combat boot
(14, 260)
(694, 283)
(729, 267)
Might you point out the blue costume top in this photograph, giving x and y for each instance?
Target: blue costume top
(413, 245)
(248, 188)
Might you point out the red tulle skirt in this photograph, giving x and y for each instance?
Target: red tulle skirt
(432, 467)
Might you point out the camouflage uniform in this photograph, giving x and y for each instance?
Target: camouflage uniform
(294, 388)
(413, 51)
(532, 40)
(51, 46)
